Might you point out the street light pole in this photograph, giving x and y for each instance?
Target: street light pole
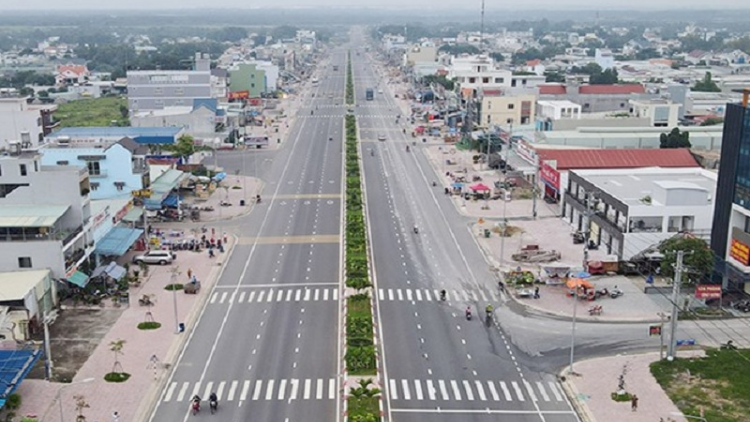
(505, 196)
(58, 396)
(174, 272)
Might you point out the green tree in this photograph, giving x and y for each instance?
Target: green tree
(607, 77)
(706, 84)
(712, 121)
(554, 77)
(438, 79)
(675, 139)
(458, 49)
(698, 260)
(498, 57)
(183, 148)
(116, 347)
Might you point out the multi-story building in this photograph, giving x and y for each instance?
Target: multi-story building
(425, 52)
(247, 80)
(594, 98)
(45, 215)
(478, 73)
(199, 121)
(156, 89)
(506, 107)
(23, 123)
(730, 234)
(661, 113)
(141, 135)
(115, 168)
(631, 210)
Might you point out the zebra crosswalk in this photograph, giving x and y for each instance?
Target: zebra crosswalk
(274, 295)
(427, 295)
(254, 390)
(474, 390)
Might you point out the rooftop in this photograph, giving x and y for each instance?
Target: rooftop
(568, 159)
(631, 185)
(30, 215)
(17, 284)
(114, 132)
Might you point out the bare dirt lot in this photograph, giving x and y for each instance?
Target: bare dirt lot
(74, 336)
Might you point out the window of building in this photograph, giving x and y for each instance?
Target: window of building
(22, 167)
(472, 80)
(499, 80)
(94, 168)
(489, 105)
(36, 166)
(62, 163)
(1, 171)
(747, 225)
(252, 85)
(179, 91)
(24, 262)
(485, 80)
(509, 121)
(94, 185)
(158, 91)
(511, 106)
(252, 76)
(120, 185)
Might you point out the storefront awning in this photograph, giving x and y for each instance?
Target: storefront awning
(117, 241)
(134, 215)
(79, 279)
(171, 201)
(112, 270)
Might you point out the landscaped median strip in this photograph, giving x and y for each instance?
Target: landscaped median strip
(363, 403)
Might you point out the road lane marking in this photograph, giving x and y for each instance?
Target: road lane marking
(390, 294)
(288, 295)
(506, 391)
(170, 391)
(325, 294)
(419, 294)
(297, 295)
(484, 297)
(245, 389)
(408, 295)
(480, 390)
(232, 390)
(307, 295)
(555, 391)
(469, 393)
(269, 389)
(207, 391)
(456, 391)
(242, 297)
(260, 295)
(306, 391)
(427, 295)
(279, 295)
(223, 297)
(220, 390)
(542, 391)
(431, 390)
(214, 296)
(399, 294)
(251, 296)
(317, 294)
(381, 294)
(258, 388)
(393, 392)
(405, 389)
(466, 295)
(335, 294)
(270, 296)
(531, 391)
(295, 387)
(456, 295)
(418, 390)
(332, 388)
(518, 391)
(493, 391)
(196, 389)
(319, 390)
(282, 389)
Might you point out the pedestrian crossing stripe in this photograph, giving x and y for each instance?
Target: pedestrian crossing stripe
(426, 295)
(242, 390)
(275, 295)
(476, 390)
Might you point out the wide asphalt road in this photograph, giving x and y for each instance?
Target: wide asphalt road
(437, 365)
(266, 341)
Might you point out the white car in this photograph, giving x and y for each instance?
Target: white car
(161, 257)
(380, 91)
(381, 137)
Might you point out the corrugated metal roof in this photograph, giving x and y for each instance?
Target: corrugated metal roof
(568, 159)
(107, 132)
(30, 215)
(17, 284)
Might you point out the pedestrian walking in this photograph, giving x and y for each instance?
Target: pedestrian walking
(536, 292)
(116, 416)
(634, 403)
(190, 273)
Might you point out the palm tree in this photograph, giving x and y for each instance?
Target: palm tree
(116, 347)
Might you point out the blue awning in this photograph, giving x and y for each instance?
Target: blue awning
(218, 177)
(171, 201)
(79, 279)
(14, 366)
(117, 241)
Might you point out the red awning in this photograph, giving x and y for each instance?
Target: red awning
(479, 187)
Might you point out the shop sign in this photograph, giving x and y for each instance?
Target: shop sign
(708, 291)
(239, 95)
(550, 175)
(740, 252)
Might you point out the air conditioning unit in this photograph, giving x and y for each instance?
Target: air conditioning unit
(63, 141)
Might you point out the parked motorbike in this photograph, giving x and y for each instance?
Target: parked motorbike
(615, 293)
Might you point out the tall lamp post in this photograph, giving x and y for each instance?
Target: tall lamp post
(174, 272)
(505, 195)
(58, 396)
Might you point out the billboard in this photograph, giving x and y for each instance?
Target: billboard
(550, 175)
(708, 291)
(740, 252)
(256, 140)
(239, 95)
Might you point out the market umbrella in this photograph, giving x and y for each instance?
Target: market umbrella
(480, 187)
(576, 283)
(581, 274)
(458, 185)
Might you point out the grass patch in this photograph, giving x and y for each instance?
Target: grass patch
(719, 383)
(93, 112)
(175, 286)
(621, 397)
(116, 377)
(363, 409)
(149, 325)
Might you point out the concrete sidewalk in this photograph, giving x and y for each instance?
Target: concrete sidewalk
(135, 398)
(590, 390)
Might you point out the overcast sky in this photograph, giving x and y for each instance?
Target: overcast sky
(490, 4)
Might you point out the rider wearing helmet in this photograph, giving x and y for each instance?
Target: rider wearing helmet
(213, 401)
(442, 294)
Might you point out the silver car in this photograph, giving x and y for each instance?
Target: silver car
(161, 257)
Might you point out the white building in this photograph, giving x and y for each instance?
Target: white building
(661, 113)
(21, 122)
(631, 210)
(556, 110)
(475, 72)
(45, 215)
(604, 58)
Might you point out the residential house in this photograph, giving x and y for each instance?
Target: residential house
(247, 80)
(478, 72)
(24, 123)
(115, 168)
(199, 121)
(535, 66)
(45, 215)
(71, 74)
(593, 98)
(141, 135)
(604, 58)
(504, 107)
(425, 52)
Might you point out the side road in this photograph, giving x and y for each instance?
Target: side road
(147, 355)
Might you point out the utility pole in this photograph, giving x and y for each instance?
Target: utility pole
(505, 199)
(587, 231)
(534, 188)
(675, 297)
(49, 318)
(662, 315)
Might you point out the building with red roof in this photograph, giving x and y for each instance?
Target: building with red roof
(71, 74)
